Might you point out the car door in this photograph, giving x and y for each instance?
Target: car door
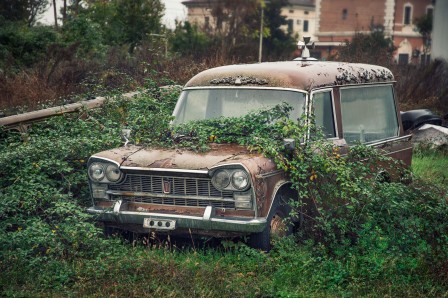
(369, 115)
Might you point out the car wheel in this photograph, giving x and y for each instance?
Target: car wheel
(277, 226)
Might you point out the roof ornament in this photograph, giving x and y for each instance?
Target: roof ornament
(303, 45)
(239, 80)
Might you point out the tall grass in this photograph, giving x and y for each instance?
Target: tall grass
(431, 165)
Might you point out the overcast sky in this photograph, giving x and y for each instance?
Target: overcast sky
(174, 10)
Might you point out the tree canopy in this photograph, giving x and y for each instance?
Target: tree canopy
(22, 10)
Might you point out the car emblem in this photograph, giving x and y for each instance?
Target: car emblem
(166, 186)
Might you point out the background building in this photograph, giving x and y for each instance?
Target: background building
(330, 23)
(439, 45)
(340, 20)
(301, 17)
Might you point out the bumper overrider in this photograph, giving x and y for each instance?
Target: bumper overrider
(166, 222)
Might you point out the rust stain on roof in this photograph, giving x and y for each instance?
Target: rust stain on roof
(293, 74)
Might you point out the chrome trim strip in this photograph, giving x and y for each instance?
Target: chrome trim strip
(335, 122)
(105, 159)
(392, 139)
(405, 149)
(270, 174)
(177, 216)
(229, 165)
(235, 224)
(240, 222)
(117, 206)
(276, 189)
(170, 170)
(208, 213)
(244, 87)
(157, 195)
(366, 84)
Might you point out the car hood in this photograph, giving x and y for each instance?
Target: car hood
(158, 158)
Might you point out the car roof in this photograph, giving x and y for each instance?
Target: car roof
(302, 75)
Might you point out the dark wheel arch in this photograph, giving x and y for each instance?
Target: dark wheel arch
(276, 226)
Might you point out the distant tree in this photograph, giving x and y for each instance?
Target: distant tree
(231, 17)
(188, 40)
(22, 10)
(23, 47)
(424, 27)
(55, 13)
(279, 43)
(126, 22)
(86, 34)
(373, 48)
(237, 24)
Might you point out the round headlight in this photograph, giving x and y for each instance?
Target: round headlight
(113, 173)
(240, 180)
(221, 179)
(96, 171)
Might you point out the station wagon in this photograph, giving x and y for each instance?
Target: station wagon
(230, 191)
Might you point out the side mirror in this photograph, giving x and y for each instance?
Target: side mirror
(289, 144)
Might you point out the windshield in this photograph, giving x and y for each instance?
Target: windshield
(201, 104)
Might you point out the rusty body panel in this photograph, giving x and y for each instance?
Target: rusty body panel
(137, 156)
(398, 148)
(263, 171)
(292, 74)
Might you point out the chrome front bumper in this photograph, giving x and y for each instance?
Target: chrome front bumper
(205, 222)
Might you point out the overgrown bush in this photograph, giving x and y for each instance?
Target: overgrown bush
(22, 46)
(423, 87)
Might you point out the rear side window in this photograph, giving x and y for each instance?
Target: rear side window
(368, 114)
(323, 113)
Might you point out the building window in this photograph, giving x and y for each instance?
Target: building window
(290, 26)
(305, 26)
(344, 14)
(306, 12)
(430, 10)
(403, 59)
(425, 59)
(407, 14)
(299, 22)
(291, 11)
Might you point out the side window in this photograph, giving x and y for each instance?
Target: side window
(368, 114)
(323, 113)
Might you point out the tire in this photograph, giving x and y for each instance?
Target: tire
(110, 231)
(276, 226)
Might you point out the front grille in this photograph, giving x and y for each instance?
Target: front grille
(178, 191)
(177, 202)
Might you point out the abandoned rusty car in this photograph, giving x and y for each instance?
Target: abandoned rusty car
(230, 191)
